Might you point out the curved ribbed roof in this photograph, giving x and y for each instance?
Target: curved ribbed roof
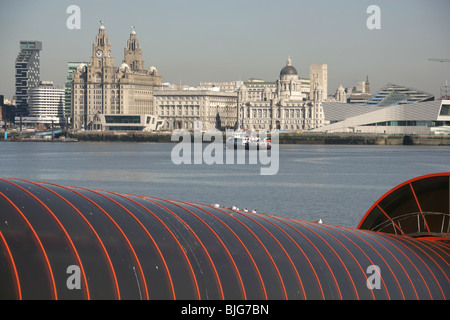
(419, 207)
(134, 247)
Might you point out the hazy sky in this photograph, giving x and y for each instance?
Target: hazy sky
(189, 41)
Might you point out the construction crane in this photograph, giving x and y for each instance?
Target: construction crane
(439, 59)
(445, 88)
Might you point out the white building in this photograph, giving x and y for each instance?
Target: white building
(180, 109)
(285, 105)
(129, 122)
(46, 104)
(414, 118)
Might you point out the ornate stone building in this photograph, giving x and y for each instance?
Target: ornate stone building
(288, 108)
(180, 109)
(102, 88)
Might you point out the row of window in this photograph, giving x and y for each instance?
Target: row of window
(282, 127)
(178, 98)
(409, 124)
(123, 119)
(264, 113)
(180, 110)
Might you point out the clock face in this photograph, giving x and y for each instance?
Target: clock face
(109, 53)
(99, 53)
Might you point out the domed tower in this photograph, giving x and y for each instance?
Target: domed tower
(133, 53)
(340, 94)
(289, 84)
(318, 92)
(288, 72)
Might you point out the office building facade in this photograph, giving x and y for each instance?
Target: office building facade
(27, 73)
(46, 101)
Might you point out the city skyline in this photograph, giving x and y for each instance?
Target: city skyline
(193, 41)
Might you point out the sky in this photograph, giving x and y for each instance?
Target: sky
(190, 41)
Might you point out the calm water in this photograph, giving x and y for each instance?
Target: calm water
(335, 183)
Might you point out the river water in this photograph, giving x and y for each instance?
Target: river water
(335, 183)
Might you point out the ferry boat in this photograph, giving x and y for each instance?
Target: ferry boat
(246, 139)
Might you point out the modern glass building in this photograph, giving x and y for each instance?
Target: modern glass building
(393, 94)
(27, 73)
(128, 122)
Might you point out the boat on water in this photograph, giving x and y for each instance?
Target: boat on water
(247, 139)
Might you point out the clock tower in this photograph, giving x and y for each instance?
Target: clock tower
(101, 50)
(101, 89)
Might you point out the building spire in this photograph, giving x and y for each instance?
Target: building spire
(289, 61)
(367, 85)
(133, 53)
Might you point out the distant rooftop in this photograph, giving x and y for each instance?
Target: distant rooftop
(392, 94)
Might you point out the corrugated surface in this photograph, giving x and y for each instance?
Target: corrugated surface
(131, 247)
(359, 115)
(338, 111)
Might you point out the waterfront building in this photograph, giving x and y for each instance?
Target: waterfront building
(258, 89)
(413, 118)
(102, 88)
(287, 107)
(8, 111)
(393, 94)
(71, 68)
(360, 93)
(46, 100)
(27, 73)
(138, 122)
(318, 73)
(180, 109)
(46, 105)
